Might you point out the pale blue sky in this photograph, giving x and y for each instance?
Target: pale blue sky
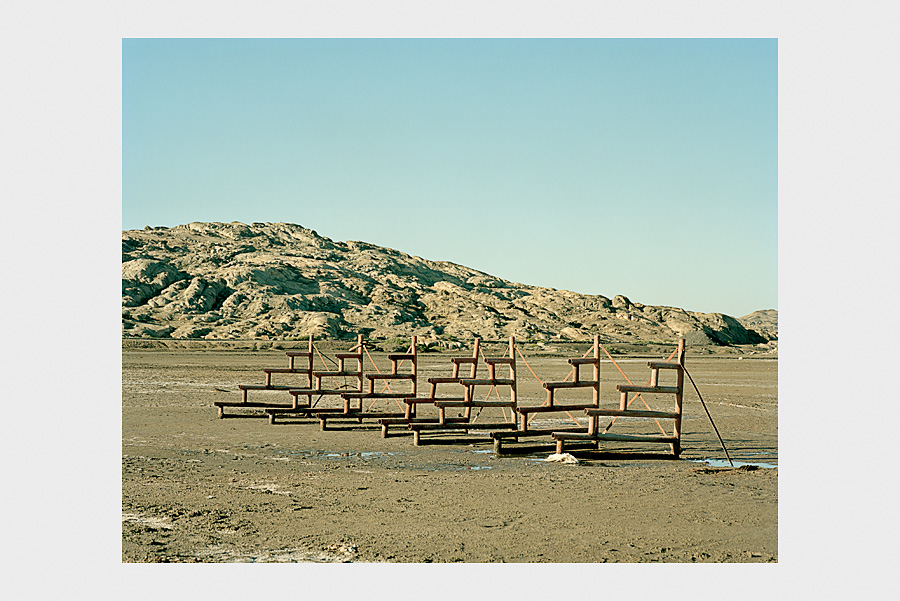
(639, 167)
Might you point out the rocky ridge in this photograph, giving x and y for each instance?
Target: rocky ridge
(277, 281)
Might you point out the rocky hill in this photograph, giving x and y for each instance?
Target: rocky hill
(283, 281)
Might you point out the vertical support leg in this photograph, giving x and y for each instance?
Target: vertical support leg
(679, 397)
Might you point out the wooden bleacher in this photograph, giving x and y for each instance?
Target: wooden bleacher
(445, 424)
(409, 415)
(551, 405)
(593, 433)
(306, 371)
(360, 412)
(308, 408)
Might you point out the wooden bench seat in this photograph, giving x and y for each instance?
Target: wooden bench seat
(317, 391)
(631, 413)
(449, 403)
(487, 382)
(431, 401)
(553, 408)
(265, 386)
(648, 389)
(580, 384)
(377, 395)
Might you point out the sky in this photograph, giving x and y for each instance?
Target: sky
(642, 167)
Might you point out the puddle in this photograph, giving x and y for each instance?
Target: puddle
(724, 463)
(309, 453)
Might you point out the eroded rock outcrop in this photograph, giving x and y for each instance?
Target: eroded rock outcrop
(282, 281)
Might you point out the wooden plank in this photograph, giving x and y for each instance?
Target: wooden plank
(561, 435)
(316, 391)
(286, 370)
(391, 376)
(441, 403)
(394, 421)
(264, 387)
(663, 365)
(402, 357)
(322, 374)
(630, 413)
(256, 404)
(580, 384)
(487, 382)
(463, 426)
(298, 353)
(430, 400)
(657, 389)
(553, 408)
(584, 361)
(530, 432)
(499, 360)
(376, 395)
(359, 415)
(459, 360)
(446, 380)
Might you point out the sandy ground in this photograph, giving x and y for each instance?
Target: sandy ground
(196, 488)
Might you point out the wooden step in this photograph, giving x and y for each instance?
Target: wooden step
(266, 387)
(322, 374)
(391, 376)
(487, 382)
(657, 389)
(429, 400)
(349, 355)
(316, 391)
(401, 357)
(446, 380)
(286, 370)
(448, 403)
(552, 408)
(462, 426)
(376, 395)
(395, 421)
(584, 361)
(357, 415)
(459, 360)
(580, 384)
(530, 432)
(663, 365)
(499, 360)
(298, 353)
(303, 409)
(560, 435)
(256, 404)
(631, 413)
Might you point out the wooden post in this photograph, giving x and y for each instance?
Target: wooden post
(467, 412)
(359, 364)
(414, 372)
(512, 371)
(679, 397)
(593, 421)
(309, 366)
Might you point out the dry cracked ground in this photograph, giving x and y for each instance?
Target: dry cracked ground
(196, 488)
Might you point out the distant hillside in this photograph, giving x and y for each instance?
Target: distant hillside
(279, 281)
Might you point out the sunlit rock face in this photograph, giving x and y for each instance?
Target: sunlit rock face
(283, 281)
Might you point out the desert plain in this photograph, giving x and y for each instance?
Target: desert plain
(196, 488)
